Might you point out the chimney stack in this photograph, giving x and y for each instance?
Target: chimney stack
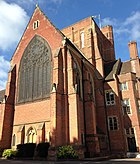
(133, 50)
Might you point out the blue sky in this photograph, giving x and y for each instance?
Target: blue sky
(124, 16)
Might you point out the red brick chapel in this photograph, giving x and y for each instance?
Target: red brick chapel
(67, 88)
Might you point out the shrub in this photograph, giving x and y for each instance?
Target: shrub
(66, 152)
(26, 150)
(9, 153)
(42, 149)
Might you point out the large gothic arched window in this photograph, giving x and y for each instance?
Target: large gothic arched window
(77, 79)
(35, 71)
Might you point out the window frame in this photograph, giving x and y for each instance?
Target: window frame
(14, 140)
(126, 106)
(115, 123)
(136, 85)
(130, 131)
(31, 135)
(124, 86)
(30, 86)
(35, 24)
(77, 78)
(108, 98)
(82, 39)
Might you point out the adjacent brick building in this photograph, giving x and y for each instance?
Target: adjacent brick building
(66, 87)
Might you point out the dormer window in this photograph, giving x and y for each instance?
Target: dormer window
(36, 24)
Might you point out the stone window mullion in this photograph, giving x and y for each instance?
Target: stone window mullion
(35, 71)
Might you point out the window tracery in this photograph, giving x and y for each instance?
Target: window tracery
(31, 135)
(35, 70)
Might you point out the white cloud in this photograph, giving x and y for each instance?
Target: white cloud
(109, 21)
(129, 27)
(4, 68)
(13, 20)
(135, 16)
(33, 2)
(133, 24)
(56, 1)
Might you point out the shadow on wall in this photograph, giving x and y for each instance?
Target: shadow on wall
(120, 129)
(9, 110)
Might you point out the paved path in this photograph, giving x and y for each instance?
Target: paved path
(113, 161)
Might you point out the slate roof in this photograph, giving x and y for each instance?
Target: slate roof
(126, 67)
(112, 68)
(116, 67)
(2, 93)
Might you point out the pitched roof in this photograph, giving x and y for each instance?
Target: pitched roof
(116, 67)
(126, 67)
(2, 93)
(37, 8)
(112, 68)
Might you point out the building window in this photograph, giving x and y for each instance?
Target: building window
(31, 136)
(82, 39)
(124, 86)
(35, 71)
(126, 106)
(110, 97)
(113, 123)
(107, 35)
(129, 131)
(14, 140)
(138, 105)
(77, 79)
(35, 24)
(136, 85)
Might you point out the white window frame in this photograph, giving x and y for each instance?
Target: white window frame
(82, 39)
(36, 24)
(124, 86)
(126, 106)
(136, 85)
(109, 100)
(113, 128)
(138, 105)
(130, 131)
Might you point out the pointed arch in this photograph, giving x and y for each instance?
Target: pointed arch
(77, 77)
(31, 135)
(35, 71)
(14, 140)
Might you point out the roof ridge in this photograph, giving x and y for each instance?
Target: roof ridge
(50, 21)
(37, 7)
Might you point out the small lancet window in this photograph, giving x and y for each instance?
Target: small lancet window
(82, 39)
(14, 140)
(36, 24)
(31, 136)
